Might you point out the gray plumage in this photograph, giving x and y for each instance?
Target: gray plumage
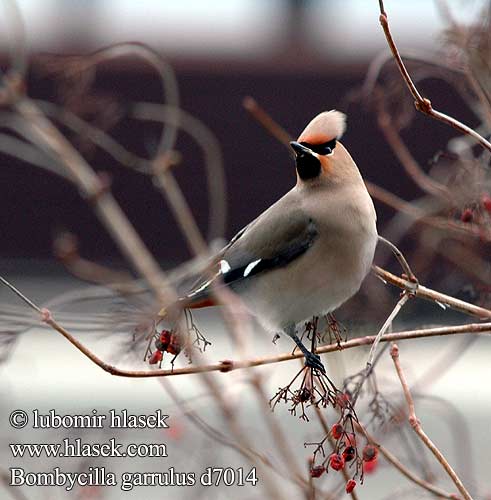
(310, 251)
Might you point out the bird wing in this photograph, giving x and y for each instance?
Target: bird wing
(271, 241)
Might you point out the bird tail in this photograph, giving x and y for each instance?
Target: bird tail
(197, 296)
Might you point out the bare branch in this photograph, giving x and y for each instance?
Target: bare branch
(432, 295)
(228, 365)
(416, 425)
(401, 259)
(215, 176)
(104, 203)
(167, 78)
(421, 103)
(407, 160)
(274, 128)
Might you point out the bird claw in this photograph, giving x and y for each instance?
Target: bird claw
(314, 361)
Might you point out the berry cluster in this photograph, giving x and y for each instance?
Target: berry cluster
(166, 341)
(173, 341)
(478, 213)
(345, 455)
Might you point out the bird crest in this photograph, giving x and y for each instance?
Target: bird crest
(325, 127)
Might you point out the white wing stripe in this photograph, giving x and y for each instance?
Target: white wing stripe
(224, 266)
(250, 267)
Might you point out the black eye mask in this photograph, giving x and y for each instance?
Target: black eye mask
(325, 148)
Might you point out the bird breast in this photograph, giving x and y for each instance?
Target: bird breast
(328, 274)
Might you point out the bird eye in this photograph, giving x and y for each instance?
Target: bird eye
(323, 149)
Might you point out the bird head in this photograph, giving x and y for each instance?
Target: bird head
(317, 151)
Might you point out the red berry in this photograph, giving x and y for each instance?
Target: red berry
(156, 357)
(343, 399)
(162, 343)
(486, 202)
(165, 336)
(349, 453)
(350, 485)
(370, 453)
(370, 467)
(317, 471)
(350, 440)
(336, 461)
(337, 431)
(467, 215)
(175, 345)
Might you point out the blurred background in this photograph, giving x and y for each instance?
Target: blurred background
(295, 58)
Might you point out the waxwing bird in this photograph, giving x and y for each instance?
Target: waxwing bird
(310, 251)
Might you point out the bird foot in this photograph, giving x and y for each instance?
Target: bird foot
(314, 361)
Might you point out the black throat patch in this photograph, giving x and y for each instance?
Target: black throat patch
(308, 166)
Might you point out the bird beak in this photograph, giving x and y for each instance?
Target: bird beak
(300, 149)
(308, 163)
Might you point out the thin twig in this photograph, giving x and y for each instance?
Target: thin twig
(392, 459)
(167, 78)
(168, 185)
(419, 214)
(210, 146)
(418, 429)
(371, 356)
(388, 322)
(66, 249)
(228, 365)
(265, 119)
(407, 160)
(402, 260)
(428, 294)
(104, 203)
(421, 103)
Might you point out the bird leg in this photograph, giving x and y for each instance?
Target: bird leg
(312, 360)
